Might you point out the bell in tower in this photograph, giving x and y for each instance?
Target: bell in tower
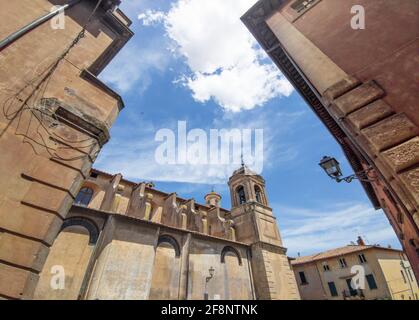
(247, 187)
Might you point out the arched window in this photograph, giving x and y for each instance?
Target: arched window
(84, 197)
(258, 193)
(241, 195)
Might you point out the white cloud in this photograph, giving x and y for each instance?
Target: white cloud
(151, 17)
(241, 87)
(310, 231)
(225, 62)
(133, 66)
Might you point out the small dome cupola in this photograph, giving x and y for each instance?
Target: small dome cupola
(213, 199)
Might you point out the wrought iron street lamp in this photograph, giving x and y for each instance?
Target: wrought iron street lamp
(332, 167)
(207, 279)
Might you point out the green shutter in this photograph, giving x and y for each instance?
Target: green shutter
(332, 288)
(371, 282)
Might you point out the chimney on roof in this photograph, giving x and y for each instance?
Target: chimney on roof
(360, 241)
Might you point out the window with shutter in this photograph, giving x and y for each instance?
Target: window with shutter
(371, 282)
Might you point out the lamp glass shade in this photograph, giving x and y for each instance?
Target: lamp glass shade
(331, 166)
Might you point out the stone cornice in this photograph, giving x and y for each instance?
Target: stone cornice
(87, 75)
(124, 35)
(270, 246)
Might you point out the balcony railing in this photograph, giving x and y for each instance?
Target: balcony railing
(353, 294)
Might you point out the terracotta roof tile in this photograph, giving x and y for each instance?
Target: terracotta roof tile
(336, 253)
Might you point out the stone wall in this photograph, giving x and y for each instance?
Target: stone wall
(152, 245)
(139, 260)
(55, 117)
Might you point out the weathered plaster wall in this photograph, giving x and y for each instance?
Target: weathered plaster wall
(159, 246)
(72, 252)
(165, 284)
(232, 278)
(42, 161)
(400, 288)
(123, 270)
(314, 290)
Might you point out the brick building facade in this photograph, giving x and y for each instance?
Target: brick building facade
(362, 84)
(55, 117)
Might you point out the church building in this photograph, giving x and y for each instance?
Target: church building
(123, 240)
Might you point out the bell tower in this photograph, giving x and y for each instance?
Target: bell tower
(250, 208)
(256, 225)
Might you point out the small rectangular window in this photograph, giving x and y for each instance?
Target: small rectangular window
(371, 282)
(301, 5)
(326, 267)
(303, 278)
(332, 288)
(93, 175)
(410, 275)
(362, 258)
(343, 263)
(404, 277)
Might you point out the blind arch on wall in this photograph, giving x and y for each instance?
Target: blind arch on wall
(170, 240)
(87, 224)
(232, 250)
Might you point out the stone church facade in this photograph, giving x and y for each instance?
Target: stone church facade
(123, 240)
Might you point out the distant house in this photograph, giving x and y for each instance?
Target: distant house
(328, 275)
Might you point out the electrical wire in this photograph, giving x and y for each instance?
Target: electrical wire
(38, 87)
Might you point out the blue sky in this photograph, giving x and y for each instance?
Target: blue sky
(193, 61)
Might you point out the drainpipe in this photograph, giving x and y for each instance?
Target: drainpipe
(16, 35)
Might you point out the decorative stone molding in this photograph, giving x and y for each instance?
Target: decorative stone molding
(357, 98)
(370, 114)
(404, 155)
(390, 132)
(76, 119)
